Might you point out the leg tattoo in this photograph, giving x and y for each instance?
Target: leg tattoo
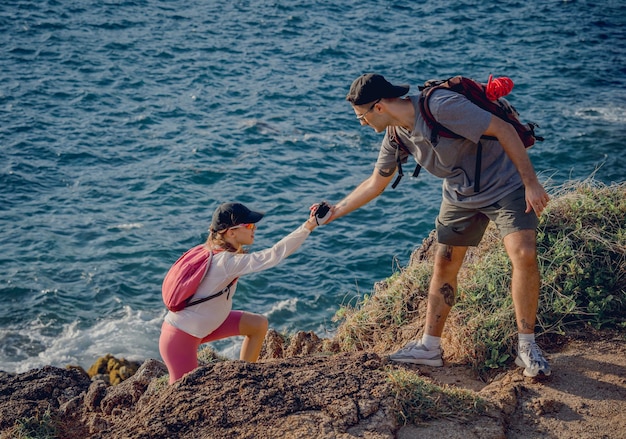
(448, 294)
(526, 325)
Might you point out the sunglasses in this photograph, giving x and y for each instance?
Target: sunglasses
(250, 226)
(362, 116)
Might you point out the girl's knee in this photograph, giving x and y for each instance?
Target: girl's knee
(253, 324)
(263, 324)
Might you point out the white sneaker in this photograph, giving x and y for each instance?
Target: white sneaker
(532, 360)
(415, 352)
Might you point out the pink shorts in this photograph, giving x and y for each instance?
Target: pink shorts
(179, 349)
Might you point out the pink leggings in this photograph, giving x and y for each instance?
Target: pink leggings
(180, 350)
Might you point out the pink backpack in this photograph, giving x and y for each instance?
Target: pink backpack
(184, 277)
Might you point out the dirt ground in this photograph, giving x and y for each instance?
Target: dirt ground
(584, 398)
(340, 396)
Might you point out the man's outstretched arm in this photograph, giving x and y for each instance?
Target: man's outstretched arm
(369, 189)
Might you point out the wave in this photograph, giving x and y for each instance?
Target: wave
(134, 335)
(613, 114)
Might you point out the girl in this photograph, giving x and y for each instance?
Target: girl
(184, 331)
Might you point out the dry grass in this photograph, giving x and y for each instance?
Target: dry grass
(582, 256)
(419, 401)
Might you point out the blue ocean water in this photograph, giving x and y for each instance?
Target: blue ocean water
(123, 124)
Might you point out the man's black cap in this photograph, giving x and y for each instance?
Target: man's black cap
(370, 87)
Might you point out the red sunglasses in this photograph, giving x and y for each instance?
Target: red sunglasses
(250, 226)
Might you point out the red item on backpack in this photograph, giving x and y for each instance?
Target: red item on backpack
(184, 277)
(498, 88)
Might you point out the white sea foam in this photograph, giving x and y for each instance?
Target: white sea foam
(228, 348)
(287, 304)
(615, 114)
(128, 226)
(134, 336)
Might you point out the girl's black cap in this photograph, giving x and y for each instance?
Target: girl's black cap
(229, 215)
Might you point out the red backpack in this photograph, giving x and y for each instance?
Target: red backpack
(487, 96)
(184, 277)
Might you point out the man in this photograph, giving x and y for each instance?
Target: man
(510, 195)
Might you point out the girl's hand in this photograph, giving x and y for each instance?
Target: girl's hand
(323, 212)
(319, 214)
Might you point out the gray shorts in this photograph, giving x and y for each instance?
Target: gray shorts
(457, 226)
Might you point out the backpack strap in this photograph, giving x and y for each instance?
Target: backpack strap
(224, 290)
(477, 169)
(394, 139)
(435, 127)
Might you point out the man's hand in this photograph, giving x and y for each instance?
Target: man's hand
(536, 198)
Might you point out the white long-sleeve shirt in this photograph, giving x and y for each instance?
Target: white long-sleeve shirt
(202, 319)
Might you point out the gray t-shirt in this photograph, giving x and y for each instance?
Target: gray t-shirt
(454, 160)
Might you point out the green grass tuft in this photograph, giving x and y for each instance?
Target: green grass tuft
(40, 426)
(418, 400)
(582, 252)
(581, 244)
